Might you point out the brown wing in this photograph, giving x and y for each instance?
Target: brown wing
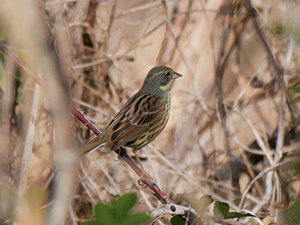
(134, 119)
(93, 144)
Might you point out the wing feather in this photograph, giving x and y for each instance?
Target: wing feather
(141, 111)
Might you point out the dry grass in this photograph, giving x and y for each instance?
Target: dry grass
(233, 127)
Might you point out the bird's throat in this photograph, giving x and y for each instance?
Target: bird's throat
(168, 86)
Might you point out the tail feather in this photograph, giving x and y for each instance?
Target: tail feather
(93, 145)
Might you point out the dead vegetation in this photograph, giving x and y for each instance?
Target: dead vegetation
(233, 132)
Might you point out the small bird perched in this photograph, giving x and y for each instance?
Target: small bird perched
(143, 117)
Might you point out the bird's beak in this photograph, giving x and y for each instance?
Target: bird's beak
(176, 75)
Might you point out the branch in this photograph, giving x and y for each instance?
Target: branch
(20, 64)
(24, 170)
(219, 78)
(278, 70)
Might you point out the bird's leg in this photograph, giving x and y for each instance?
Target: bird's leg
(136, 154)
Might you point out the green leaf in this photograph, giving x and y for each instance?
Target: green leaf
(2, 72)
(232, 215)
(297, 168)
(136, 219)
(4, 33)
(104, 214)
(293, 92)
(296, 100)
(295, 86)
(293, 215)
(90, 222)
(177, 220)
(221, 209)
(280, 29)
(122, 205)
(203, 203)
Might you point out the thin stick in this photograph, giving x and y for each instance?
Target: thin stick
(278, 71)
(219, 77)
(29, 141)
(274, 167)
(4, 49)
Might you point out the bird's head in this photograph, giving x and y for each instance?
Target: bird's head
(160, 80)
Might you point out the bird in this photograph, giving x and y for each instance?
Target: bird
(142, 118)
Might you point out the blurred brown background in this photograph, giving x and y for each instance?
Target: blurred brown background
(233, 114)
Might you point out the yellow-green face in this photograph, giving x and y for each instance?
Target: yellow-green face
(160, 80)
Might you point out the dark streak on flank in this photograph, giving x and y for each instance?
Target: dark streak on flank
(129, 143)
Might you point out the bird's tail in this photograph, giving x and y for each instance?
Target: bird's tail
(93, 144)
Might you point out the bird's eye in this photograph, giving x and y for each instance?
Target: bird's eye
(168, 75)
